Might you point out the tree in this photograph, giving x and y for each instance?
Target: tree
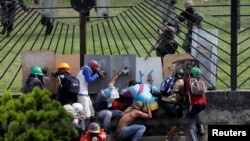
(34, 116)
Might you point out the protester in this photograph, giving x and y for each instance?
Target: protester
(197, 105)
(94, 133)
(68, 87)
(78, 123)
(88, 74)
(193, 20)
(8, 13)
(34, 79)
(126, 129)
(103, 102)
(139, 92)
(171, 102)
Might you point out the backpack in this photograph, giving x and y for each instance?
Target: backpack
(197, 87)
(70, 84)
(167, 85)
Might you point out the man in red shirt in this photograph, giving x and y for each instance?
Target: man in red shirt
(197, 104)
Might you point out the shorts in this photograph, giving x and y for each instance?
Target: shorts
(88, 108)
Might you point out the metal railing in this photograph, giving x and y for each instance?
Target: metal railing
(133, 31)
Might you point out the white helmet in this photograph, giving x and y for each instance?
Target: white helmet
(69, 108)
(189, 3)
(78, 107)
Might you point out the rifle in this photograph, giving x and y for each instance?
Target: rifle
(153, 47)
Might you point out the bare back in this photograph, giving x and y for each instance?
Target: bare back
(130, 114)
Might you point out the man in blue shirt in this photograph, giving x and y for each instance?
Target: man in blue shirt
(103, 102)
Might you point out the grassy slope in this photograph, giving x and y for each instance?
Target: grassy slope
(222, 22)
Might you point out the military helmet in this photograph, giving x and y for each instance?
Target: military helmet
(188, 3)
(36, 70)
(195, 72)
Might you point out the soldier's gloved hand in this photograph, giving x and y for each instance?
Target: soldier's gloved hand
(101, 73)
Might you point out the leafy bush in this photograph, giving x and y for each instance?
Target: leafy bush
(34, 116)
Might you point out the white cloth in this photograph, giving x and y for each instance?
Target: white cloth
(88, 108)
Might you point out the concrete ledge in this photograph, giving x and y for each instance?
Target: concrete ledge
(175, 138)
(159, 138)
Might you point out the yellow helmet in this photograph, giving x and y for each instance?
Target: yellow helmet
(63, 66)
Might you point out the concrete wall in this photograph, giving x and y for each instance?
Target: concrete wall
(223, 108)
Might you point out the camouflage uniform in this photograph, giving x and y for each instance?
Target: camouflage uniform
(192, 18)
(8, 12)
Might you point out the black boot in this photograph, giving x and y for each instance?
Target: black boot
(9, 29)
(8, 33)
(48, 30)
(3, 30)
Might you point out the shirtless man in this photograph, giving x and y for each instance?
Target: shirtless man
(125, 129)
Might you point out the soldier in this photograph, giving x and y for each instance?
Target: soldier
(47, 13)
(8, 12)
(166, 43)
(193, 20)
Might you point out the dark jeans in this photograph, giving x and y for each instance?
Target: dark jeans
(194, 117)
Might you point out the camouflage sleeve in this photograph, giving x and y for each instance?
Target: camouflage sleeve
(199, 18)
(181, 17)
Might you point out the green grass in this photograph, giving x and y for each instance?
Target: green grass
(224, 51)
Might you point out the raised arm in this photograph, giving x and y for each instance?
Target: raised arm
(149, 109)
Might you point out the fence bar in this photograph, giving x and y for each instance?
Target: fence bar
(234, 23)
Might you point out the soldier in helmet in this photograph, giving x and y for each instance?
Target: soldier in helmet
(34, 79)
(8, 12)
(47, 13)
(193, 20)
(166, 43)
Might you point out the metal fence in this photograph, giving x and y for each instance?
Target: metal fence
(132, 31)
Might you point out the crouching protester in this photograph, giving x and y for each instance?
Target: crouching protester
(76, 109)
(140, 92)
(126, 129)
(94, 133)
(104, 103)
(35, 79)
